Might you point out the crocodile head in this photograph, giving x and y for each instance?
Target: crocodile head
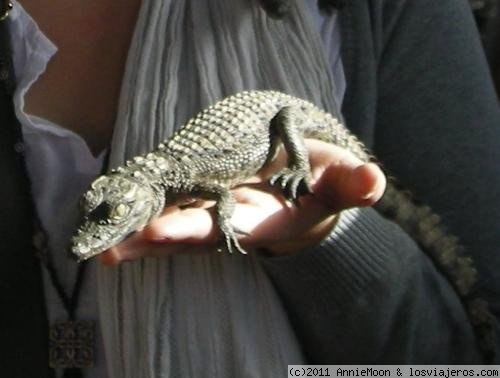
(112, 208)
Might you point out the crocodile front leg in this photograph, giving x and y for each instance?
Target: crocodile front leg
(224, 208)
(295, 178)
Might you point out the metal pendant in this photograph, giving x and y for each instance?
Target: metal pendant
(71, 344)
(5, 9)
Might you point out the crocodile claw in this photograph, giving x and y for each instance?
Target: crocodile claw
(230, 244)
(293, 182)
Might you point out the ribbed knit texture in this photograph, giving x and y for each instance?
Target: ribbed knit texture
(369, 291)
(348, 272)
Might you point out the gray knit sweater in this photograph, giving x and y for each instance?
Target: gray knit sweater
(419, 94)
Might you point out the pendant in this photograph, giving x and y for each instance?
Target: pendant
(5, 10)
(71, 344)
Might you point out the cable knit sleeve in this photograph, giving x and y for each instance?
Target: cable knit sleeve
(368, 294)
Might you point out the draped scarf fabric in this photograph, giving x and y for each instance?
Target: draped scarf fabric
(203, 314)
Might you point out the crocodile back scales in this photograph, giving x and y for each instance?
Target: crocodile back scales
(230, 140)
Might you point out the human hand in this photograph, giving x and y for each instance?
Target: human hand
(340, 181)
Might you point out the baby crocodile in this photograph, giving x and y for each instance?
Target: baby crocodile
(226, 144)
(218, 149)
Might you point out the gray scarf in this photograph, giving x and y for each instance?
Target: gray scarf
(205, 314)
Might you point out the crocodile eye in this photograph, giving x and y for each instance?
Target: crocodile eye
(120, 211)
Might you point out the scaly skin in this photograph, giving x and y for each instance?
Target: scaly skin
(228, 143)
(218, 149)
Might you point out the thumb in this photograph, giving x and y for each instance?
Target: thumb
(343, 186)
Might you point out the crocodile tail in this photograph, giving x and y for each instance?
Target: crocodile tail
(449, 256)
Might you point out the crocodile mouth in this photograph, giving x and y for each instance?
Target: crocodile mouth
(93, 239)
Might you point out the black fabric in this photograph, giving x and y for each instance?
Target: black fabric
(489, 25)
(23, 322)
(420, 95)
(438, 123)
(72, 373)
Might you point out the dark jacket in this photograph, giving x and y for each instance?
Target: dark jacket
(419, 94)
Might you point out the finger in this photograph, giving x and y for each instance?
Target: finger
(178, 231)
(197, 226)
(343, 187)
(324, 154)
(134, 250)
(193, 225)
(263, 195)
(370, 182)
(321, 154)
